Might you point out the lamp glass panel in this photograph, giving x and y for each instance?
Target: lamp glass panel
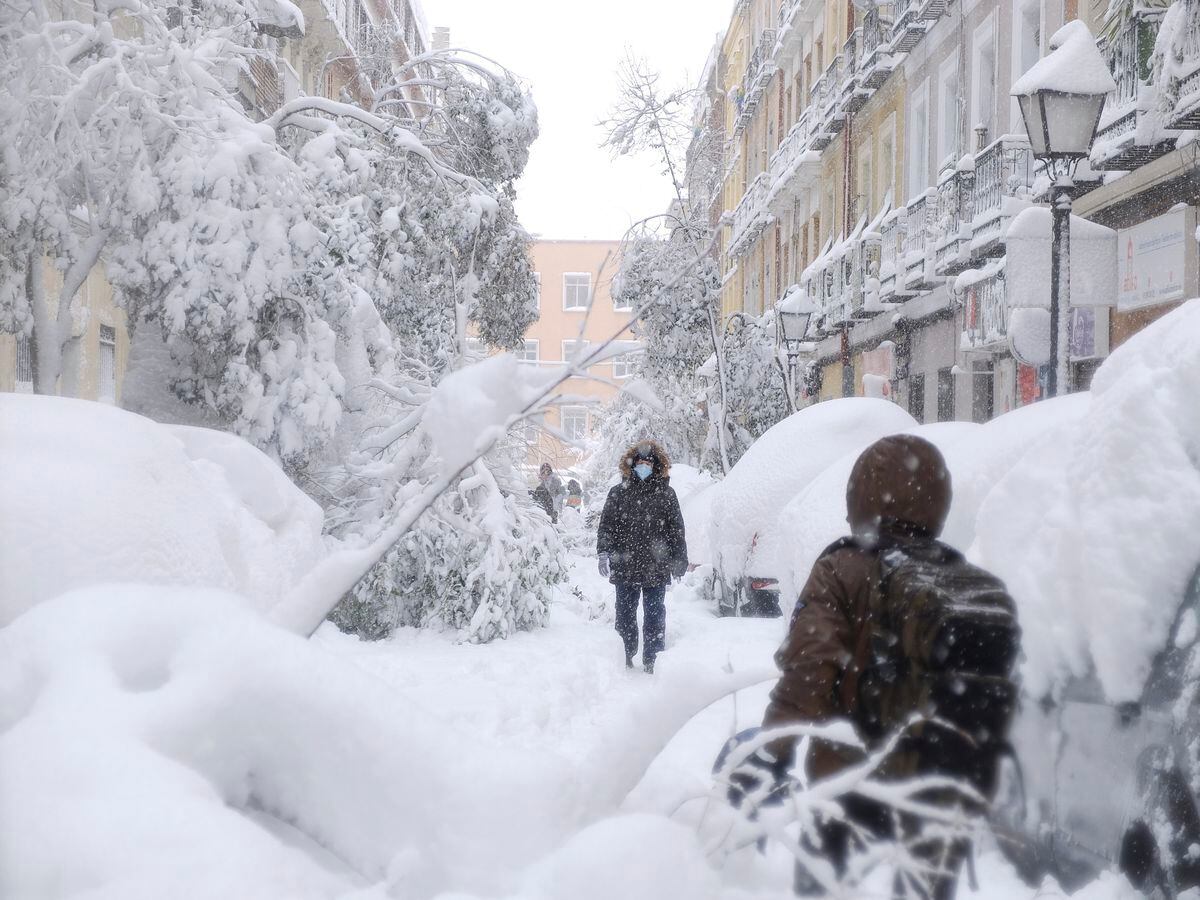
(1072, 122)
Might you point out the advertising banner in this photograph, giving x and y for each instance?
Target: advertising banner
(1151, 261)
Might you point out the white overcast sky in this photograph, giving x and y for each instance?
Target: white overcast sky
(568, 53)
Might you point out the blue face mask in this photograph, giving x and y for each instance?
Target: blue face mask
(643, 470)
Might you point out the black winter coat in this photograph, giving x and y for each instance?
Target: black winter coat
(641, 530)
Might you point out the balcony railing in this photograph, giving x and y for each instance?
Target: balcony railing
(1004, 172)
(750, 217)
(852, 94)
(831, 114)
(918, 236)
(1120, 143)
(986, 309)
(876, 64)
(907, 27)
(1181, 92)
(891, 261)
(820, 97)
(953, 223)
(795, 164)
(760, 69)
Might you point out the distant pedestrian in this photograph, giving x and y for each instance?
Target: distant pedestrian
(893, 624)
(554, 487)
(641, 546)
(574, 494)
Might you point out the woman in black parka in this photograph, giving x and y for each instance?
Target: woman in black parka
(641, 546)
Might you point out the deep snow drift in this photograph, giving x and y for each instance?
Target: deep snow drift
(93, 494)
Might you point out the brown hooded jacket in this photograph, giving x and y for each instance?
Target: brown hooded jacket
(899, 489)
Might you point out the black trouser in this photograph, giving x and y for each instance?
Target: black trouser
(654, 618)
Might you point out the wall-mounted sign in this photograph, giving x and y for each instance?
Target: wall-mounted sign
(1152, 261)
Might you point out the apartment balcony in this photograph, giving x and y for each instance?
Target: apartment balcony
(1181, 90)
(919, 235)
(259, 87)
(952, 227)
(891, 260)
(832, 115)
(821, 96)
(795, 166)
(760, 70)
(794, 17)
(1128, 136)
(876, 63)
(1004, 174)
(751, 215)
(908, 28)
(852, 96)
(985, 304)
(931, 10)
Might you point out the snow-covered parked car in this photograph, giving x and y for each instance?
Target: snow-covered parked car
(748, 559)
(96, 495)
(1096, 531)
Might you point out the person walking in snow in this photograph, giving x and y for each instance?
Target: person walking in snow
(640, 547)
(893, 624)
(554, 488)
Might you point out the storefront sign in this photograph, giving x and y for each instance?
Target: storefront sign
(1151, 260)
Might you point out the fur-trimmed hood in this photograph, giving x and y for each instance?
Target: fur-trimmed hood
(651, 449)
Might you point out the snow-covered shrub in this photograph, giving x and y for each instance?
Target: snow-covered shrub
(756, 391)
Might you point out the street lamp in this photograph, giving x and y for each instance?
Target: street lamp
(795, 311)
(1061, 99)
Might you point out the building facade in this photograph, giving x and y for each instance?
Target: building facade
(575, 312)
(876, 158)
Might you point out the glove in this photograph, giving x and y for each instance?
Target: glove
(759, 781)
(678, 568)
(602, 564)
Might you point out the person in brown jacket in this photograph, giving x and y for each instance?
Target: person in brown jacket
(898, 494)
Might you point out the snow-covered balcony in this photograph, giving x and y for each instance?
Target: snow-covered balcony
(1131, 132)
(760, 70)
(832, 120)
(795, 166)
(907, 27)
(952, 242)
(919, 232)
(259, 87)
(852, 95)
(931, 10)
(1004, 174)
(751, 215)
(794, 18)
(820, 97)
(1180, 78)
(877, 61)
(985, 307)
(891, 260)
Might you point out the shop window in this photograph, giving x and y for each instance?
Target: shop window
(916, 397)
(945, 395)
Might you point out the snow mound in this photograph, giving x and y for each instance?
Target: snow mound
(1093, 528)
(782, 463)
(94, 494)
(697, 491)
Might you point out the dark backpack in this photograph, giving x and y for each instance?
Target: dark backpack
(941, 640)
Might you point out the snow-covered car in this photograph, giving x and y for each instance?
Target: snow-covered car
(1094, 530)
(748, 560)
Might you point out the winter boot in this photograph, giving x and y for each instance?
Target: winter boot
(648, 667)
(629, 660)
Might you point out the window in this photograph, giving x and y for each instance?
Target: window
(26, 364)
(476, 347)
(577, 290)
(949, 103)
(887, 161)
(945, 395)
(916, 397)
(1027, 46)
(918, 141)
(574, 422)
(108, 364)
(983, 81)
(622, 366)
(982, 401)
(573, 349)
(528, 352)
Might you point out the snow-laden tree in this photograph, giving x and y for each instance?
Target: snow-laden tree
(669, 275)
(756, 381)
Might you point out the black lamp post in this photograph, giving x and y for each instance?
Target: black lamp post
(794, 314)
(1062, 127)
